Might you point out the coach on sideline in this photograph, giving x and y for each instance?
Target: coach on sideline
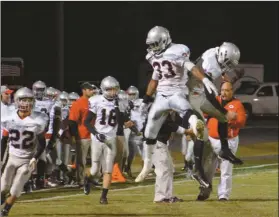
(80, 134)
(230, 103)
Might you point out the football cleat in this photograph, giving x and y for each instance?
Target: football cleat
(103, 200)
(204, 193)
(87, 185)
(226, 154)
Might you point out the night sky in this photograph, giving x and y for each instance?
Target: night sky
(108, 38)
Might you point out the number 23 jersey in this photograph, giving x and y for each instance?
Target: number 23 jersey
(23, 132)
(105, 122)
(169, 69)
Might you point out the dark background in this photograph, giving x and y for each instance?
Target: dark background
(108, 38)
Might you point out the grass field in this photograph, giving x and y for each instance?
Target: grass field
(255, 194)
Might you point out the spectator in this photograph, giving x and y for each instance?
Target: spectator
(80, 135)
(230, 103)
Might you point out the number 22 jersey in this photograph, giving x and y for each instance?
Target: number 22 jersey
(105, 122)
(23, 132)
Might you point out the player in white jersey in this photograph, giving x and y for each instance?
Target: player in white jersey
(24, 129)
(171, 65)
(58, 129)
(105, 110)
(138, 118)
(216, 62)
(41, 105)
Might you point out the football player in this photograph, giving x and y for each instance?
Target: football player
(41, 105)
(50, 93)
(58, 129)
(25, 131)
(73, 96)
(216, 62)
(171, 65)
(105, 110)
(138, 118)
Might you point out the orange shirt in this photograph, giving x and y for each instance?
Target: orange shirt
(234, 105)
(78, 113)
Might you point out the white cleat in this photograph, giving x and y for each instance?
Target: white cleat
(142, 176)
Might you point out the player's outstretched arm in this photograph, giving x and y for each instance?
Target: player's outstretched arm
(56, 125)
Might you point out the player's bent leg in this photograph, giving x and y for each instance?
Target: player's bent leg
(7, 178)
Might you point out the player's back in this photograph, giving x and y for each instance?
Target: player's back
(105, 122)
(210, 64)
(169, 68)
(23, 132)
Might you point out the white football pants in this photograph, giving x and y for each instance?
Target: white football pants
(226, 168)
(159, 111)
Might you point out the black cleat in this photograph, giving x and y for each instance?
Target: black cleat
(203, 182)
(175, 200)
(87, 185)
(204, 193)
(226, 154)
(103, 200)
(4, 212)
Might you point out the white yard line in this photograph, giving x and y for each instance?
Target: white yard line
(135, 187)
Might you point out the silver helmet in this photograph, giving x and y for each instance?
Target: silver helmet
(73, 96)
(24, 99)
(122, 95)
(63, 98)
(133, 93)
(39, 89)
(56, 93)
(50, 93)
(158, 38)
(228, 56)
(110, 87)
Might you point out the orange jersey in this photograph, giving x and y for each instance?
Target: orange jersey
(234, 126)
(78, 113)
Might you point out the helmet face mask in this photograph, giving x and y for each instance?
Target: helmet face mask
(158, 38)
(133, 93)
(63, 98)
(228, 56)
(39, 89)
(25, 104)
(122, 95)
(110, 87)
(24, 99)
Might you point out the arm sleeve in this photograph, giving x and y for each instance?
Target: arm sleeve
(73, 128)
(41, 146)
(88, 120)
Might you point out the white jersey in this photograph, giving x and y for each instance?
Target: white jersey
(105, 122)
(210, 67)
(137, 116)
(64, 115)
(23, 133)
(43, 106)
(170, 69)
(6, 110)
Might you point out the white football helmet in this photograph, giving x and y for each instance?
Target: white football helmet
(24, 99)
(50, 93)
(73, 96)
(122, 95)
(228, 56)
(158, 38)
(110, 87)
(63, 98)
(133, 93)
(39, 89)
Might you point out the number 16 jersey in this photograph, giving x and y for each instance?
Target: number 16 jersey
(23, 132)
(169, 69)
(105, 122)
